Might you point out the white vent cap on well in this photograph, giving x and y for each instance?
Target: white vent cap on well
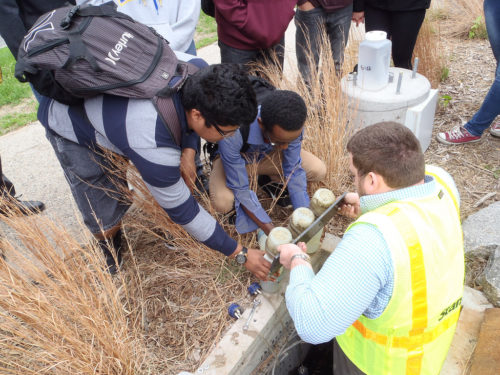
(376, 35)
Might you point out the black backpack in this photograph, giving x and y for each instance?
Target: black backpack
(85, 51)
(262, 88)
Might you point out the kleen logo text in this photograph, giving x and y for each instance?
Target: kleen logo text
(114, 54)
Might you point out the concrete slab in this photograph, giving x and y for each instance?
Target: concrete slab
(486, 357)
(241, 352)
(474, 304)
(30, 163)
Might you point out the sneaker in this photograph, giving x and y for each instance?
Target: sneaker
(495, 129)
(457, 136)
(274, 189)
(231, 217)
(21, 207)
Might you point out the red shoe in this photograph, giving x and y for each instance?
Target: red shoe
(495, 129)
(457, 136)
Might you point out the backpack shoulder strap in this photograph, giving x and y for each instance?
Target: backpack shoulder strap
(245, 131)
(108, 9)
(166, 109)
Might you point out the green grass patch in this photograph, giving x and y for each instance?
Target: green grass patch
(12, 122)
(494, 169)
(12, 93)
(445, 73)
(206, 31)
(11, 90)
(478, 29)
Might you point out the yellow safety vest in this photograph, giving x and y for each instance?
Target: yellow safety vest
(414, 333)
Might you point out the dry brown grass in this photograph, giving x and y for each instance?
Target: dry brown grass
(429, 52)
(60, 313)
(183, 288)
(327, 128)
(460, 17)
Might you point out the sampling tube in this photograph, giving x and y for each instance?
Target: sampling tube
(277, 236)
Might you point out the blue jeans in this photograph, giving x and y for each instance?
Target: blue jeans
(310, 24)
(191, 49)
(491, 104)
(38, 96)
(230, 54)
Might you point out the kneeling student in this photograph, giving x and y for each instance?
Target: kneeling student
(272, 144)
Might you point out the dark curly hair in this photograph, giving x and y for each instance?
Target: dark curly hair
(284, 108)
(222, 93)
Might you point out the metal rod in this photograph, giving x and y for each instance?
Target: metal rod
(400, 79)
(355, 78)
(256, 302)
(415, 67)
(391, 77)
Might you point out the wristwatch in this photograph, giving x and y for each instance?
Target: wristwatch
(303, 256)
(241, 257)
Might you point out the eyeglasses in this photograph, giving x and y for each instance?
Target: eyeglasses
(271, 143)
(224, 133)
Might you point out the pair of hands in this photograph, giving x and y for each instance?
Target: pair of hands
(357, 17)
(260, 267)
(350, 208)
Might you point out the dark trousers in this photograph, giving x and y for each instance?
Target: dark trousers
(6, 185)
(402, 28)
(310, 24)
(274, 55)
(341, 364)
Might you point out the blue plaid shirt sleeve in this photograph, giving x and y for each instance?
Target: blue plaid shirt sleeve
(323, 306)
(237, 181)
(295, 174)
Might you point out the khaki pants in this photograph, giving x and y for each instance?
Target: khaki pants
(222, 197)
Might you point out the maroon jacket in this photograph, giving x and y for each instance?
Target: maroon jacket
(253, 24)
(327, 5)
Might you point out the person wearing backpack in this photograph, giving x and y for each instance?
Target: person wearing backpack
(272, 145)
(212, 104)
(175, 20)
(253, 31)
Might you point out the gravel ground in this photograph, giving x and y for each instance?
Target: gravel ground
(475, 167)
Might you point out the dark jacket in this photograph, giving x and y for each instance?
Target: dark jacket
(327, 5)
(391, 5)
(253, 24)
(17, 17)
